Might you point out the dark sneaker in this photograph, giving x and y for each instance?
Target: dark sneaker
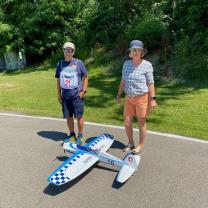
(79, 139)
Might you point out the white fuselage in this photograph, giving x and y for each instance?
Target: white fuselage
(103, 156)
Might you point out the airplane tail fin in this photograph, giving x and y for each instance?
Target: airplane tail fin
(131, 163)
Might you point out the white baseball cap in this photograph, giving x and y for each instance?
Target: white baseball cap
(69, 45)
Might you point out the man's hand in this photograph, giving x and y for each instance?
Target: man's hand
(82, 94)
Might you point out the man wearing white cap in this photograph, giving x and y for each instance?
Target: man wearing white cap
(72, 82)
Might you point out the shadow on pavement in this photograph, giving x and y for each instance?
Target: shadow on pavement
(62, 158)
(116, 184)
(105, 168)
(117, 145)
(53, 135)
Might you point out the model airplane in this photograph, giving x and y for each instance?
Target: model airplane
(86, 156)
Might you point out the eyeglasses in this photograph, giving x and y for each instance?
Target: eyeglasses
(68, 50)
(135, 49)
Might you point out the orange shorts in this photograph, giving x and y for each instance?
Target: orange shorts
(137, 106)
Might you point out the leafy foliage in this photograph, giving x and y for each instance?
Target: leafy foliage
(178, 29)
(191, 41)
(150, 29)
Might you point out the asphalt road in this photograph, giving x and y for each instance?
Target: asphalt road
(172, 172)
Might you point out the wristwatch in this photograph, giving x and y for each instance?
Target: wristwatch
(84, 91)
(153, 98)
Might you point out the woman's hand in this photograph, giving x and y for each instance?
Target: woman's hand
(118, 99)
(153, 104)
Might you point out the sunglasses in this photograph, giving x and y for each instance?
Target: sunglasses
(68, 50)
(135, 49)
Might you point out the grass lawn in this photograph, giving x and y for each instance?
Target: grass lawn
(181, 110)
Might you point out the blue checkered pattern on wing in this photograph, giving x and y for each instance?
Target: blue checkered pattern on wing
(137, 78)
(104, 136)
(97, 140)
(97, 143)
(59, 177)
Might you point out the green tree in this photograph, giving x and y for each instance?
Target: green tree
(190, 24)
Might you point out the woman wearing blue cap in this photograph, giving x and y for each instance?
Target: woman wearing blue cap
(138, 84)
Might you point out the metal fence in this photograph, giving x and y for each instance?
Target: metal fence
(14, 60)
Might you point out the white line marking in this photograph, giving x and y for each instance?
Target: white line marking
(110, 126)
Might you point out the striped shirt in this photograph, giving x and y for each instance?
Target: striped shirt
(137, 77)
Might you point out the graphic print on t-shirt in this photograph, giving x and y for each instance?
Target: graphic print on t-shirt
(68, 77)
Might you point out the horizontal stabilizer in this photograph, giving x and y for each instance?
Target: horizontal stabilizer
(130, 166)
(125, 173)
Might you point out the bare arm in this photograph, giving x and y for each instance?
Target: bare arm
(58, 90)
(151, 88)
(120, 91)
(85, 85)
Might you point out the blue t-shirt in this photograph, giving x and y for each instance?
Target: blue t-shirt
(70, 75)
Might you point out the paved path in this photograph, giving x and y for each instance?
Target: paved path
(172, 172)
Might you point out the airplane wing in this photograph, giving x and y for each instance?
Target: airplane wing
(72, 167)
(101, 143)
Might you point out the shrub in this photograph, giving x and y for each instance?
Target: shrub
(191, 59)
(150, 29)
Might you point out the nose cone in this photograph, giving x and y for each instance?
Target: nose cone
(65, 145)
(70, 147)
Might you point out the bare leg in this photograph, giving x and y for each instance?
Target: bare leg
(142, 131)
(142, 134)
(80, 124)
(70, 124)
(129, 129)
